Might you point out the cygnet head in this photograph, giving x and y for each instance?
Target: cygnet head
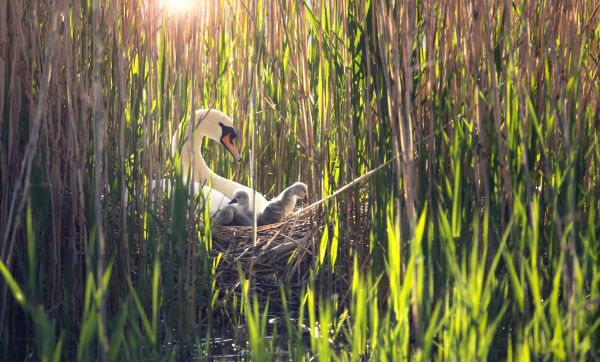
(224, 216)
(215, 125)
(299, 190)
(241, 198)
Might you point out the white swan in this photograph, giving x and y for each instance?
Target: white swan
(281, 206)
(217, 126)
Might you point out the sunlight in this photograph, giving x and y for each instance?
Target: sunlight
(178, 5)
(299, 179)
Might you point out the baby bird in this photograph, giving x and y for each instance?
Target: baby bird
(224, 216)
(237, 213)
(241, 200)
(230, 216)
(281, 206)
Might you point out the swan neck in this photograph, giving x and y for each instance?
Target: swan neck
(288, 196)
(200, 170)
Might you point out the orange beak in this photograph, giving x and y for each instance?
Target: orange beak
(228, 143)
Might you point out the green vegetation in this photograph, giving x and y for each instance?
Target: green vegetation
(479, 240)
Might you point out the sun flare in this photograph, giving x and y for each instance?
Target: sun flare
(179, 5)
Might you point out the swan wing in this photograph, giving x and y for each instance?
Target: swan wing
(215, 200)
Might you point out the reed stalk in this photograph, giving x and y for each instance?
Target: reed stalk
(450, 150)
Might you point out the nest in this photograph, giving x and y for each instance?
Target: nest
(281, 253)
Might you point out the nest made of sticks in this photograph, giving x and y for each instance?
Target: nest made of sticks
(281, 253)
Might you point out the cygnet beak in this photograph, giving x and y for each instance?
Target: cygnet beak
(233, 201)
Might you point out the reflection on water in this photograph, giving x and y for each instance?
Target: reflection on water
(231, 344)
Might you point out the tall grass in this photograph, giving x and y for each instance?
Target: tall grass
(478, 241)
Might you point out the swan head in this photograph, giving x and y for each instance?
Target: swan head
(217, 126)
(241, 197)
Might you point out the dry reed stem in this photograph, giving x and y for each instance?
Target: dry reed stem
(409, 78)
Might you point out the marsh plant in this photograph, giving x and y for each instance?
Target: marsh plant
(477, 237)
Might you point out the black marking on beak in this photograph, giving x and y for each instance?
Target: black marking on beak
(226, 130)
(233, 201)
